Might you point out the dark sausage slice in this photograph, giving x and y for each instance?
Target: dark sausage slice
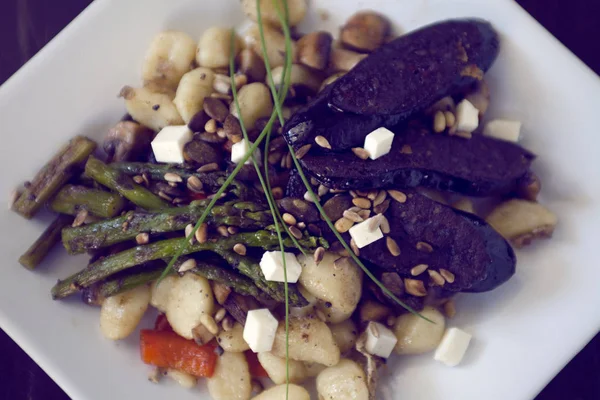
(412, 72)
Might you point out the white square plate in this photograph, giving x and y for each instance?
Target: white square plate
(524, 332)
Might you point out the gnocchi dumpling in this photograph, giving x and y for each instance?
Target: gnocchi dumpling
(169, 56)
(416, 335)
(276, 368)
(193, 88)
(346, 380)
(233, 340)
(154, 110)
(231, 379)
(120, 314)
(278, 392)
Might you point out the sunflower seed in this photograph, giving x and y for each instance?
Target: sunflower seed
(222, 96)
(232, 230)
(171, 177)
(385, 225)
(321, 315)
(240, 249)
(302, 151)
(450, 309)
(220, 314)
(436, 277)
(360, 153)
(202, 233)
(318, 255)
(222, 230)
(309, 197)
(80, 218)
(323, 142)
(397, 195)
(209, 322)
(362, 193)
(188, 231)
(142, 238)
(301, 225)
(364, 214)
(208, 167)
(172, 184)
(448, 276)
(464, 135)
(415, 287)
(353, 194)
(354, 248)
(383, 207)
(406, 149)
(343, 225)
(211, 126)
(277, 193)
(439, 122)
(297, 233)
(187, 265)
(195, 184)
(379, 198)
(322, 191)
(374, 330)
(375, 222)
(424, 247)
(419, 269)
(146, 178)
(372, 195)
(240, 80)
(289, 219)
(352, 216)
(138, 179)
(362, 202)
(392, 246)
(314, 182)
(227, 324)
(165, 196)
(222, 84)
(450, 119)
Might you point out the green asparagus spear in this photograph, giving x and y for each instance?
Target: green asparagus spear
(110, 265)
(212, 180)
(71, 199)
(108, 232)
(120, 182)
(53, 175)
(40, 248)
(95, 294)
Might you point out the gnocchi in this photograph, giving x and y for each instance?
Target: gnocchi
(276, 44)
(214, 47)
(276, 368)
(120, 314)
(193, 88)
(183, 379)
(161, 291)
(296, 11)
(416, 335)
(233, 340)
(231, 379)
(345, 334)
(255, 102)
(278, 392)
(346, 380)
(154, 110)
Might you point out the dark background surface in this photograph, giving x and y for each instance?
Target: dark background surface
(27, 25)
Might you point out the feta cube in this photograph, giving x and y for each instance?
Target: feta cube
(380, 340)
(260, 329)
(363, 235)
(168, 144)
(239, 151)
(453, 347)
(503, 129)
(271, 265)
(467, 116)
(379, 142)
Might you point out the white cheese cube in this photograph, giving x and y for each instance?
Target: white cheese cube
(168, 144)
(379, 142)
(380, 340)
(271, 265)
(503, 129)
(363, 235)
(259, 331)
(467, 116)
(453, 347)
(239, 151)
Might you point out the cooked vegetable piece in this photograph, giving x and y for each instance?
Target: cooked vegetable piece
(522, 221)
(120, 314)
(53, 176)
(314, 49)
(169, 350)
(345, 380)
(231, 379)
(127, 141)
(36, 253)
(365, 31)
(123, 184)
(413, 71)
(71, 199)
(96, 293)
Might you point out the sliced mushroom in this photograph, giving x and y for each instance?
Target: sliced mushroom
(522, 221)
(303, 82)
(331, 79)
(365, 31)
(313, 50)
(202, 153)
(126, 141)
(480, 96)
(251, 65)
(344, 60)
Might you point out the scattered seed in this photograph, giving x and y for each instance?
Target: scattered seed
(450, 308)
(188, 231)
(221, 96)
(138, 179)
(362, 202)
(125, 226)
(309, 197)
(142, 238)
(282, 162)
(343, 225)
(154, 375)
(187, 265)
(374, 330)
(323, 142)
(362, 193)
(240, 80)
(360, 153)
(289, 219)
(352, 216)
(222, 230)
(172, 184)
(436, 277)
(223, 135)
(450, 119)
(439, 122)
(314, 182)
(406, 149)
(397, 195)
(321, 315)
(288, 161)
(424, 247)
(318, 255)
(202, 233)
(222, 84)
(392, 246)
(301, 225)
(448, 276)
(375, 222)
(240, 249)
(323, 190)
(297, 233)
(385, 225)
(355, 209)
(227, 324)
(415, 287)
(209, 322)
(464, 135)
(364, 214)
(171, 177)
(195, 184)
(220, 314)
(232, 230)
(212, 196)
(277, 193)
(391, 320)
(379, 198)
(419, 269)
(211, 126)
(146, 178)
(354, 248)
(302, 151)
(208, 167)
(383, 207)
(165, 196)
(80, 218)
